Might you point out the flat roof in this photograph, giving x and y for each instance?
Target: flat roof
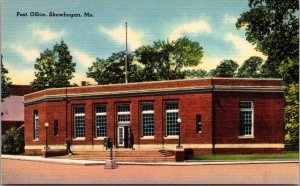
(202, 84)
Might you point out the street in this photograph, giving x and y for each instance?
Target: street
(29, 172)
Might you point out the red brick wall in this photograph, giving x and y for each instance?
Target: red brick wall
(189, 106)
(222, 109)
(268, 117)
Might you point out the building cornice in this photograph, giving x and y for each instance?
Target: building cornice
(153, 92)
(249, 88)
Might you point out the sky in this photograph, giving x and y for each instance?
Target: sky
(210, 22)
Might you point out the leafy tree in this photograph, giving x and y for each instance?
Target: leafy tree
(54, 68)
(64, 66)
(111, 70)
(225, 68)
(274, 27)
(269, 70)
(196, 73)
(12, 141)
(45, 71)
(292, 115)
(289, 70)
(164, 59)
(5, 81)
(250, 68)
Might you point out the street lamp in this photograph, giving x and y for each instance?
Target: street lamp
(179, 122)
(46, 125)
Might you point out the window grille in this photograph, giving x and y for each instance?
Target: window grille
(79, 118)
(246, 118)
(101, 120)
(172, 127)
(148, 119)
(123, 113)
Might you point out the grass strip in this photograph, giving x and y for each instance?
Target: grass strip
(290, 155)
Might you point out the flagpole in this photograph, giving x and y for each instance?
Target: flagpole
(126, 80)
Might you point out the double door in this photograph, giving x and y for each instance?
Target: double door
(124, 136)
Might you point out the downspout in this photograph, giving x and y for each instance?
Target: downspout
(66, 112)
(213, 118)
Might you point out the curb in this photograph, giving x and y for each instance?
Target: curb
(187, 163)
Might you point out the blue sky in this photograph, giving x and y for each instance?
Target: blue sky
(209, 22)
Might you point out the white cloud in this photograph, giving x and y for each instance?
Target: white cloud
(118, 34)
(245, 48)
(83, 58)
(194, 27)
(230, 19)
(207, 64)
(29, 55)
(210, 63)
(21, 76)
(45, 35)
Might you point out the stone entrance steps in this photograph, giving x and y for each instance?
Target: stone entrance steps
(124, 155)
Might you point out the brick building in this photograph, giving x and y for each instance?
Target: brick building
(218, 115)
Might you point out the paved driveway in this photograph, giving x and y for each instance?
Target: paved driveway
(29, 172)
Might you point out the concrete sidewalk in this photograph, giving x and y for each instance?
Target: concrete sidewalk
(186, 163)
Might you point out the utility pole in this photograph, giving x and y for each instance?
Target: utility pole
(126, 78)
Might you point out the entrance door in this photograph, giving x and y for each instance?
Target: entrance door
(123, 136)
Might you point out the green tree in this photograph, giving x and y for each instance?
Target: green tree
(250, 68)
(225, 68)
(54, 68)
(12, 141)
(111, 70)
(274, 27)
(289, 70)
(64, 67)
(5, 81)
(44, 71)
(164, 60)
(292, 115)
(200, 73)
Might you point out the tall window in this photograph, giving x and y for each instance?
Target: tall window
(79, 122)
(198, 123)
(55, 127)
(148, 119)
(246, 118)
(36, 124)
(100, 117)
(123, 113)
(172, 127)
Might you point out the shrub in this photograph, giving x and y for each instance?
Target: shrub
(13, 141)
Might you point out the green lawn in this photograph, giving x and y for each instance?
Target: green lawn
(290, 155)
